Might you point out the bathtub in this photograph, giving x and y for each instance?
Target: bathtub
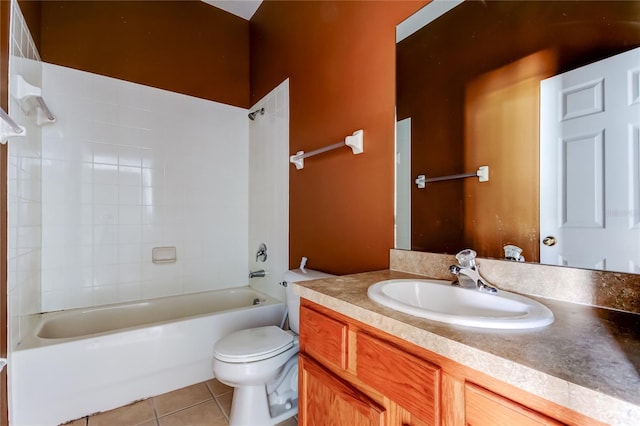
(83, 361)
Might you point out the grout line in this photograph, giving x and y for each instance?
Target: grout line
(222, 410)
(155, 412)
(186, 407)
(218, 403)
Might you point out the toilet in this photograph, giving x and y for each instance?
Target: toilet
(262, 364)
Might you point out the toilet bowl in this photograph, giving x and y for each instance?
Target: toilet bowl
(262, 365)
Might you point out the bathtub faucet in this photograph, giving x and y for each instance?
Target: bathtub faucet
(256, 274)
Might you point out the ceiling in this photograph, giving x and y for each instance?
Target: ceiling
(242, 8)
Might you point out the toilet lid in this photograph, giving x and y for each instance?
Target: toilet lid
(253, 344)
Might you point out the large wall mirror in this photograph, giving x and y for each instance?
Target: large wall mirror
(468, 95)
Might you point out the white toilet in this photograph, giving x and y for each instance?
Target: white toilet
(262, 365)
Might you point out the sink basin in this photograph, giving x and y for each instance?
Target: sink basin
(438, 300)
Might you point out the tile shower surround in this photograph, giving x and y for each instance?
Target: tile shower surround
(126, 168)
(24, 190)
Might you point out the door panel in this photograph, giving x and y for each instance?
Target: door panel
(583, 191)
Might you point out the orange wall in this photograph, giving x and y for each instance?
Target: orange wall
(183, 46)
(340, 58)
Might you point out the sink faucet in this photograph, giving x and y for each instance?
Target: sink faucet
(468, 272)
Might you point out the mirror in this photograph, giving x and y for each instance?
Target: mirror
(441, 67)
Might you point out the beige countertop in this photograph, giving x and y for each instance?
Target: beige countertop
(588, 360)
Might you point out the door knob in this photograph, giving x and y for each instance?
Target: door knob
(549, 241)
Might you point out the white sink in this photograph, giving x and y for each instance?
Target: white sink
(438, 300)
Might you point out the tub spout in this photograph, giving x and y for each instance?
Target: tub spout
(256, 274)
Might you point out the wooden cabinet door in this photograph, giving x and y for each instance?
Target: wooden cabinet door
(485, 408)
(411, 382)
(325, 400)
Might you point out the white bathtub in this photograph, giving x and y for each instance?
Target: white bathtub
(83, 361)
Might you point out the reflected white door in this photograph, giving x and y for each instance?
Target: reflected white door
(590, 166)
(403, 184)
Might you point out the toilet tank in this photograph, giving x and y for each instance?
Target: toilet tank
(293, 300)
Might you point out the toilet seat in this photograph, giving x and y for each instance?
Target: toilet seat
(254, 344)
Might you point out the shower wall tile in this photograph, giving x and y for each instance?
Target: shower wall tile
(22, 44)
(24, 187)
(127, 168)
(269, 189)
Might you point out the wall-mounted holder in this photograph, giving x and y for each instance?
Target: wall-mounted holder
(9, 128)
(355, 142)
(482, 174)
(30, 97)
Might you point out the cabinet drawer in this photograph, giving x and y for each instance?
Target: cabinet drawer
(323, 338)
(485, 408)
(411, 382)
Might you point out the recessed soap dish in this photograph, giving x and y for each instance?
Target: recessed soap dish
(163, 254)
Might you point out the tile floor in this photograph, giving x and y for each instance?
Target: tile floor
(203, 404)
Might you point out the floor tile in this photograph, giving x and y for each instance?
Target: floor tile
(181, 398)
(218, 388)
(190, 406)
(206, 413)
(224, 401)
(129, 415)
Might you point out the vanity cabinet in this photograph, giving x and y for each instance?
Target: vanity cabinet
(353, 374)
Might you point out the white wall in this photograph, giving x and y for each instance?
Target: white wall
(269, 189)
(24, 187)
(126, 168)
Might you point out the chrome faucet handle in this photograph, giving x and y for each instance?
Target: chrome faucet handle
(512, 252)
(466, 258)
(261, 254)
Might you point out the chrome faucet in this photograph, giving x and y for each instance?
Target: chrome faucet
(468, 272)
(257, 274)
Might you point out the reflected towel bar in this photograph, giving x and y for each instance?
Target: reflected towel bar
(14, 126)
(355, 142)
(482, 174)
(25, 91)
(45, 109)
(11, 128)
